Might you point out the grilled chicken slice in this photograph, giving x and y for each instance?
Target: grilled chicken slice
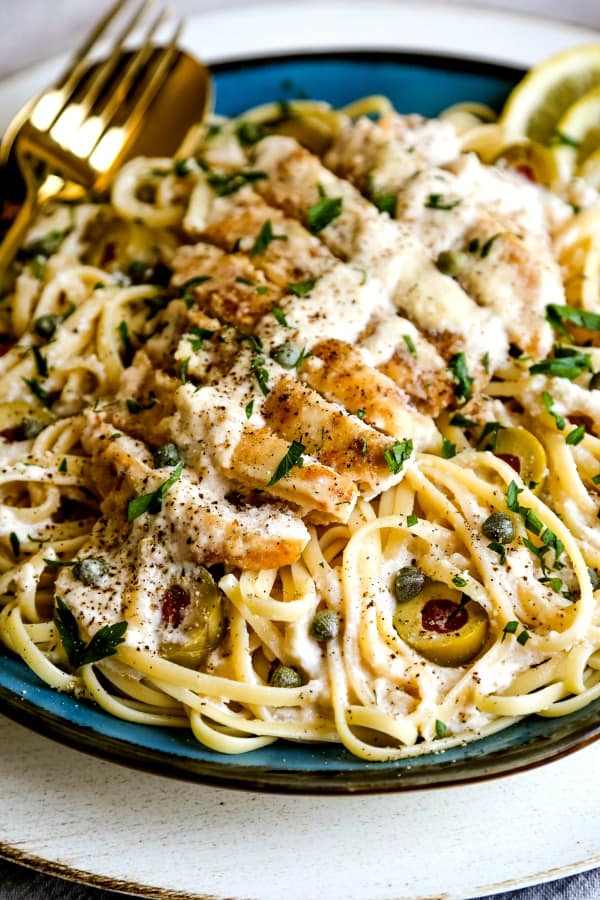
(147, 402)
(378, 157)
(194, 520)
(224, 285)
(345, 443)
(298, 183)
(249, 454)
(339, 372)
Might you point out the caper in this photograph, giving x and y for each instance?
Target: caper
(46, 325)
(451, 262)
(91, 569)
(167, 455)
(408, 583)
(287, 355)
(499, 527)
(594, 384)
(32, 427)
(325, 625)
(286, 677)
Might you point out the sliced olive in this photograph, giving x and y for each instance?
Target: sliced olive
(286, 677)
(499, 527)
(325, 625)
(530, 159)
(520, 449)
(409, 581)
(442, 625)
(192, 615)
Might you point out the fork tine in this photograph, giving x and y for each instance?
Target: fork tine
(156, 75)
(106, 69)
(134, 66)
(53, 102)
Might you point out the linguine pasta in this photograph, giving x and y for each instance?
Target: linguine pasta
(299, 437)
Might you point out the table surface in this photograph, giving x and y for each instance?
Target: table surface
(33, 30)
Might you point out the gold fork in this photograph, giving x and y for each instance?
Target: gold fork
(80, 130)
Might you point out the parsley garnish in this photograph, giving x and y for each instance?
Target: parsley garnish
(257, 367)
(128, 348)
(38, 391)
(386, 203)
(583, 318)
(548, 402)
(302, 288)
(412, 520)
(396, 455)
(249, 409)
(196, 337)
(410, 344)
(249, 133)
(498, 548)
(440, 728)
(566, 363)
(44, 246)
(152, 502)
(560, 139)
(104, 643)
(485, 249)
(462, 421)
(436, 201)
(224, 185)
(41, 362)
(280, 316)
(448, 449)
(323, 212)
(265, 236)
(459, 582)
(576, 436)
(134, 407)
(464, 382)
(63, 466)
(184, 370)
(293, 457)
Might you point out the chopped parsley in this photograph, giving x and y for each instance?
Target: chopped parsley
(462, 421)
(302, 288)
(566, 363)
(582, 318)
(464, 382)
(410, 344)
(322, 213)
(576, 436)
(440, 728)
(265, 236)
(386, 203)
(104, 643)
(15, 544)
(257, 367)
(293, 457)
(436, 201)
(548, 402)
(448, 449)
(412, 520)
(280, 316)
(459, 582)
(196, 337)
(38, 391)
(396, 455)
(224, 185)
(249, 409)
(134, 407)
(152, 502)
(249, 133)
(487, 246)
(500, 549)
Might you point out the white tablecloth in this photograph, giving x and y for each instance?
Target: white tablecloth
(32, 30)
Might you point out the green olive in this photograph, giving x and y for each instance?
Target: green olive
(286, 677)
(325, 625)
(522, 450)
(499, 527)
(409, 581)
(192, 610)
(530, 159)
(442, 625)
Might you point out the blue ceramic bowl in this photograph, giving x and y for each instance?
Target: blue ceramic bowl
(414, 83)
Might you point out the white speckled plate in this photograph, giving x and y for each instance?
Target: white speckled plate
(68, 813)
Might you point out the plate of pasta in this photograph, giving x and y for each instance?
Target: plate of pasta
(299, 441)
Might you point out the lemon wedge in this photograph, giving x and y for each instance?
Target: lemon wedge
(577, 133)
(539, 101)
